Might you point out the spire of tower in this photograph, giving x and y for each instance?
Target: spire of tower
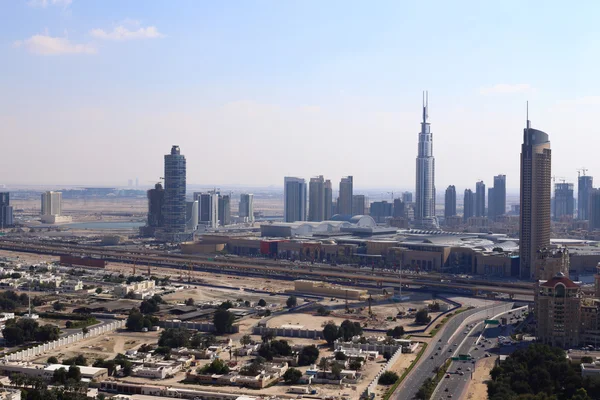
(528, 122)
(425, 106)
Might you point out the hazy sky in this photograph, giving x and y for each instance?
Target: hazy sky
(96, 92)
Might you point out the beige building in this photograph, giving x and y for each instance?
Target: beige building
(558, 311)
(140, 288)
(329, 290)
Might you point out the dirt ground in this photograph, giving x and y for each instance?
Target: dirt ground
(399, 367)
(476, 388)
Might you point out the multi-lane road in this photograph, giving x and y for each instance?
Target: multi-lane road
(444, 346)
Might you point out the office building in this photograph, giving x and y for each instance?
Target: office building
(468, 205)
(359, 204)
(584, 190)
(480, 199)
(399, 210)
(246, 207)
(407, 197)
(224, 209)
(536, 184)
(156, 218)
(558, 312)
(425, 187)
(191, 215)
(564, 201)
(6, 211)
(174, 208)
(380, 211)
(497, 198)
(52, 208)
(316, 196)
(491, 206)
(450, 202)
(208, 206)
(344, 203)
(594, 210)
(328, 200)
(294, 203)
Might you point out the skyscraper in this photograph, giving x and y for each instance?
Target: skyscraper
(536, 176)
(316, 196)
(425, 187)
(584, 189)
(407, 197)
(480, 199)
(468, 205)
(174, 209)
(224, 209)
(380, 210)
(594, 210)
(497, 197)
(359, 204)
(156, 202)
(246, 207)
(191, 215)
(344, 204)
(328, 200)
(450, 202)
(52, 208)
(564, 200)
(208, 207)
(6, 210)
(399, 208)
(294, 199)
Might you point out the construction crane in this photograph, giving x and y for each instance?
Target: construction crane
(580, 170)
(391, 194)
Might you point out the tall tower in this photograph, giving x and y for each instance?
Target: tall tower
(328, 200)
(480, 199)
(497, 197)
(174, 209)
(294, 199)
(468, 205)
(450, 202)
(345, 196)
(316, 199)
(536, 176)
(564, 202)
(246, 207)
(584, 190)
(425, 187)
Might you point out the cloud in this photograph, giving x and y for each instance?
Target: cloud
(46, 3)
(48, 46)
(121, 33)
(505, 88)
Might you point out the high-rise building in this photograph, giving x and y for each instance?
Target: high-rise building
(156, 202)
(208, 206)
(564, 200)
(497, 197)
(316, 196)
(191, 215)
(584, 190)
(344, 204)
(246, 207)
(328, 200)
(594, 210)
(480, 199)
(425, 182)
(407, 197)
(468, 205)
(399, 210)
(450, 202)
(294, 199)
(359, 204)
(224, 209)
(52, 208)
(174, 209)
(380, 210)
(6, 211)
(536, 184)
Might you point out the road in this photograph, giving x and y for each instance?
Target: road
(479, 341)
(443, 348)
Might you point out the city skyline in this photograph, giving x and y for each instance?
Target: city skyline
(146, 104)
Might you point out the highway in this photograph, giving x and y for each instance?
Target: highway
(442, 347)
(266, 268)
(479, 341)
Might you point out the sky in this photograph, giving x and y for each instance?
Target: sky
(96, 92)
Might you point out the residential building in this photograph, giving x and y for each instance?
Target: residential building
(345, 198)
(399, 210)
(156, 203)
(584, 190)
(224, 209)
(191, 215)
(328, 207)
(594, 210)
(425, 182)
(564, 201)
(294, 203)
(52, 208)
(450, 202)
(536, 176)
(208, 206)
(497, 198)
(316, 202)
(407, 197)
(380, 210)
(359, 204)
(6, 210)
(468, 205)
(246, 207)
(480, 199)
(175, 187)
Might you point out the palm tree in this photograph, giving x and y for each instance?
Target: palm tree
(323, 364)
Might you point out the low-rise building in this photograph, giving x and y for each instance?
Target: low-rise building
(140, 289)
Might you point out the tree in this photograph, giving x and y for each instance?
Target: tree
(58, 306)
(245, 340)
(74, 373)
(422, 317)
(291, 301)
(135, 321)
(47, 333)
(85, 330)
(587, 359)
(150, 306)
(323, 311)
(330, 333)
(223, 321)
(262, 303)
(292, 376)
(52, 360)
(226, 305)
(349, 329)
(189, 302)
(78, 360)
(355, 365)
(217, 366)
(388, 378)
(396, 333)
(268, 336)
(275, 348)
(69, 324)
(99, 290)
(336, 370)
(308, 355)
(323, 364)
(175, 337)
(60, 376)
(340, 356)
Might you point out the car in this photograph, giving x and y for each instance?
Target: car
(476, 348)
(487, 354)
(446, 390)
(449, 350)
(461, 373)
(447, 376)
(431, 358)
(439, 348)
(440, 340)
(468, 369)
(458, 369)
(455, 344)
(436, 354)
(449, 396)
